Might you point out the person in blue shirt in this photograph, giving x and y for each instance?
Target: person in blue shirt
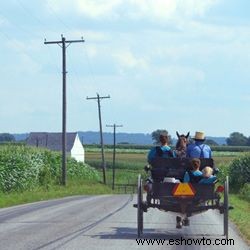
(207, 176)
(195, 174)
(199, 149)
(163, 150)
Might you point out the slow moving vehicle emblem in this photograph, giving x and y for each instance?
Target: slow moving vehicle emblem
(183, 189)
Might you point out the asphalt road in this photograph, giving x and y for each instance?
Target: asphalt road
(105, 222)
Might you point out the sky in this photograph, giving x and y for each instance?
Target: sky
(179, 65)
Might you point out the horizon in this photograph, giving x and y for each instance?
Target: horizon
(174, 65)
(108, 132)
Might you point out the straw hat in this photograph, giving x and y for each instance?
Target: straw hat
(199, 136)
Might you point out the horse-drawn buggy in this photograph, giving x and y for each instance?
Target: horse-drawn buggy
(166, 191)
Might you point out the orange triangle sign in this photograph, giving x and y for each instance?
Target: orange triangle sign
(183, 189)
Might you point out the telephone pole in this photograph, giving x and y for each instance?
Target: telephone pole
(98, 98)
(114, 126)
(63, 44)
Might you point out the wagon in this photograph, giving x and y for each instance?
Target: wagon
(185, 199)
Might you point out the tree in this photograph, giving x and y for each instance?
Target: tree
(237, 139)
(156, 136)
(248, 141)
(6, 137)
(211, 142)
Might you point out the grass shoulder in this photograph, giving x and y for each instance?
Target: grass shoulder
(240, 215)
(53, 192)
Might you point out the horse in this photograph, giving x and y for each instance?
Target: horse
(181, 145)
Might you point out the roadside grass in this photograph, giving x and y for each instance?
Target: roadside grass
(240, 215)
(39, 194)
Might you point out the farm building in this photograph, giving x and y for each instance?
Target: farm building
(53, 141)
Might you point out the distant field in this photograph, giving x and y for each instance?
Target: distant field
(130, 163)
(130, 147)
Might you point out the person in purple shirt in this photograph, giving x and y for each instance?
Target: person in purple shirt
(198, 149)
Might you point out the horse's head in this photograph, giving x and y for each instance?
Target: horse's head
(182, 140)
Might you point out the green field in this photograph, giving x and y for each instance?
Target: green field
(130, 164)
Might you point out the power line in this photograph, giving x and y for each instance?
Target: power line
(69, 28)
(63, 44)
(98, 98)
(29, 12)
(57, 17)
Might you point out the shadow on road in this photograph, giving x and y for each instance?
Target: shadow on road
(131, 233)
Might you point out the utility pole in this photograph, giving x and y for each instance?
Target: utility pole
(114, 126)
(63, 44)
(98, 98)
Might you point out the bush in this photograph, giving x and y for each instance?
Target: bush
(223, 172)
(23, 168)
(245, 192)
(81, 170)
(239, 172)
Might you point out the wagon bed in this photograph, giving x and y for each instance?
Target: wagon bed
(175, 167)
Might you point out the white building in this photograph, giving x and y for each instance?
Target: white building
(53, 141)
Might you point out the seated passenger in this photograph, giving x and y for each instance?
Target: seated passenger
(163, 150)
(195, 174)
(207, 176)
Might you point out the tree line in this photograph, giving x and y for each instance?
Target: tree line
(234, 139)
(6, 137)
(238, 139)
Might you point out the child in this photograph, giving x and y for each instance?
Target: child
(195, 174)
(207, 176)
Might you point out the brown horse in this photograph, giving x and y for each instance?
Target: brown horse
(181, 145)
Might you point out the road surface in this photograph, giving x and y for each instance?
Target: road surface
(105, 222)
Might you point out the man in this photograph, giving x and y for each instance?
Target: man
(163, 150)
(199, 149)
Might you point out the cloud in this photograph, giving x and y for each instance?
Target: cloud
(180, 73)
(135, 9)
(25, 62)
(127, 59)
(89, 8)
(171, 9)
(245, 97)
(3, 21)
(97, 9)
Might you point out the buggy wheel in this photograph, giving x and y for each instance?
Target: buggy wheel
(226, 190)
(139, 208)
